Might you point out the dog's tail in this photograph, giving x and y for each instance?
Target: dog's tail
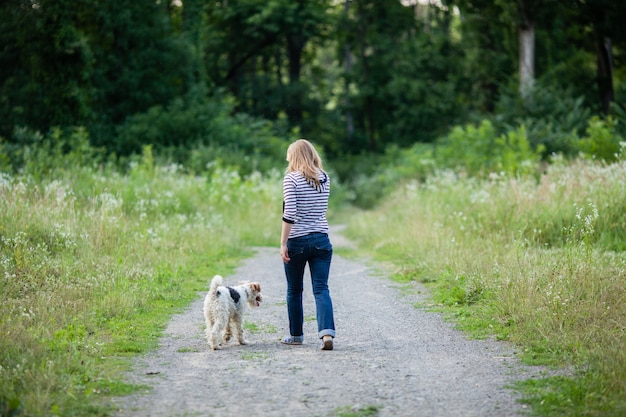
(215, 282)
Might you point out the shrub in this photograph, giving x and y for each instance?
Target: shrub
(197, 130)
(601, 140)
(539, 262)
(554, 117)
(479, 150)
(41, 155)
(94, 262)
(380, 175)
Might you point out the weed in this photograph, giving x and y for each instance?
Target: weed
(357, 411)
(94, 263)
(536, 261)
(252, 356)
(188, 350)
(255, 328)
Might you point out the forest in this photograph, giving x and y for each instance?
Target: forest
(203, 80)
(476, 147)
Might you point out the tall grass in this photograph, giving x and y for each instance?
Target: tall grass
(93, 261)
(538, 262)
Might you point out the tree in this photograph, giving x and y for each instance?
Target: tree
(404, 73)
(139, 61)
(348, 71)
(372, 30)
(526, 48)
(257, 49)
(69, 62)
(46, 65)
(489, 44)
(606, 22)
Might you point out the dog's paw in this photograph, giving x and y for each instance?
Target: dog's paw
(243, 342)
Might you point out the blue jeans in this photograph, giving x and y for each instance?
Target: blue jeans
(316, 250)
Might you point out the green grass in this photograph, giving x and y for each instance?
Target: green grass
(538, 261)
(357, 411)
(94, 262)
(254, 356)
(255, 328)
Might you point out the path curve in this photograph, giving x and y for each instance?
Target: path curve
(389, 355)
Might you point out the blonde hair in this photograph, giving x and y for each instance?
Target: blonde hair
(303, 157)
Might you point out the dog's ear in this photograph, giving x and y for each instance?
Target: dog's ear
(255, 286)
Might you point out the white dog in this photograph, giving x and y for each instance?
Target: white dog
(224, 308)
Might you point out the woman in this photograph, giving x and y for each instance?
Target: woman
(304, 239)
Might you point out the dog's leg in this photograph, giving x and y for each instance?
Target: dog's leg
(228, 332)
(217, 329)
(238, 323)
(214, 336)
(208, 330)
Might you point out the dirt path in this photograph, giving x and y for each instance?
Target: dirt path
(389, 355)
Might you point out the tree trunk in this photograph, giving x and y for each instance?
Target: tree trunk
(605, 72)
(369, 121)
(295, 46)
(526, 57)
(348, 69)
(191, 27)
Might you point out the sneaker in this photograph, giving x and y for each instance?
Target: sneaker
(292, 340)
(327, 342)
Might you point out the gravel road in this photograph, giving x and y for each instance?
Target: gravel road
(390, 358)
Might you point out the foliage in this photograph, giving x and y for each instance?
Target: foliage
(355, 76)
(423, 91)
(69, 63)
(141, 62)
(378, 176)
(487, 35)
(94, 261)
(536, 261)
(402, 81)
(554, 118)
(42, 156)
(602, 141)
(45, 66)
(473, 150)
(480, 150)
(197, 130)
(357, 411)
(258, 51)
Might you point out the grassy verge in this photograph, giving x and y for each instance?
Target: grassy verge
(539, 262)
(93, 263)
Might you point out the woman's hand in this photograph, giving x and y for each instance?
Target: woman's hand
(284, 235)
(284, 253)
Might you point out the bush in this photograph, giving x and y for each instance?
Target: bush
(197, 130)
(479, 150)
(553, 117)
(601, 141)
(40, 155)
(378, 175)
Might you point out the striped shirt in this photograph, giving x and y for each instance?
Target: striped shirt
(304, 206)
